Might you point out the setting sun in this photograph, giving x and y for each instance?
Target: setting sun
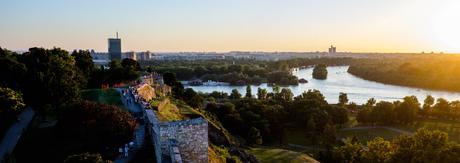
(446, 26)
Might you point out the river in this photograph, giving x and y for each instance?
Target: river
(339, 80)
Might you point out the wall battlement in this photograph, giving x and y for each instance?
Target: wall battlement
(190, 138)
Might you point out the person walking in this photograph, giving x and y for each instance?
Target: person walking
(126, 150)
(121, 152)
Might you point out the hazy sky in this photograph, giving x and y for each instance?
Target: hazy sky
(226, 25)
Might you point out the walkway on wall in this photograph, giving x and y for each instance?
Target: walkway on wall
(139, 133)
(13, 135)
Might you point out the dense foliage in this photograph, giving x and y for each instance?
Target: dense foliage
(50, 80)
(98, 125)
(423, 71)
(424, 146)
(265, 119)
(11, 104)
(385, 113)
(242, 72)
(320, 72)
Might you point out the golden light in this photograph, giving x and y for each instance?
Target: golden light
(446, 26)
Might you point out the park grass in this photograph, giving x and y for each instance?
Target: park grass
(104, 96)
(365, 135)
(277, 155)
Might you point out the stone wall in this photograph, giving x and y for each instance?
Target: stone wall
(191, 137)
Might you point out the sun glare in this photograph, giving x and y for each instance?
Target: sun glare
(446, 26)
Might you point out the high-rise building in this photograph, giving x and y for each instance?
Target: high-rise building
(332, 49)
(115, 48)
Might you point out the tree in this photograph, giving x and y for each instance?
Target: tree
(311, 127)
(429, 100)
(99, 125)
(285, 95)
(343, 98)
(423, 146)
(320, 71)
(427, 105)
(11, 104)
(10, 101)
(196, 101)
(329, 135)
(442, 105)
(261, 93)
(235, 94)
(350, 152)
(86, 158)
(51, 78)
(254, 136)
(384, 113)
(12, 72)
(248, 92)
(406, 112)
(371, 102)
(85, 66)
(130, 64)
(378, 150)
(177, 87)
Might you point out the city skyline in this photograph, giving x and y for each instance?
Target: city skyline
(298, 26)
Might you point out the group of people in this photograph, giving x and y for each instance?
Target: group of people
(124, 151)
(132, 90)
(126, 93)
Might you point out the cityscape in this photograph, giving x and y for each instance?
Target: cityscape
(263, 81)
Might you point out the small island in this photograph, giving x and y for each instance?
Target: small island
(320, 72)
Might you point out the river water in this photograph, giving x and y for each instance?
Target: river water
(339, 80)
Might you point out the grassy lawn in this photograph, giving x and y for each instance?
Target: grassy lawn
(365, 135)
(277, 155)
(104, 96)
(170, 112)
(451, 127)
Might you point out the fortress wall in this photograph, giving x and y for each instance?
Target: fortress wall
(191, 136)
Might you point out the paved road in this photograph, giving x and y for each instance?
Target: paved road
(14, 133)
(139, 133)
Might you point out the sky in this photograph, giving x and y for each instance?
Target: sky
(233, 25)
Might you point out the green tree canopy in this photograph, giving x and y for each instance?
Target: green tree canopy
(51, 78)
(320, 71)
(99, 125)
(10, 101)
(235, 94)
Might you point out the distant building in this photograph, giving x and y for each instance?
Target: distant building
(115, 48)
(130, 55)
(144, 55)
(332, 49)
(100, 59)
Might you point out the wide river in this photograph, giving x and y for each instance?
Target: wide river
(339, 80)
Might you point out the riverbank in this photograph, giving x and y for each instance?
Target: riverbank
(339, 80)
(421, 73)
